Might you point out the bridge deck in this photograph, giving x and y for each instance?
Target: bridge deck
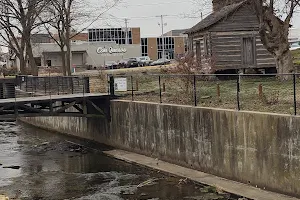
(52, 97)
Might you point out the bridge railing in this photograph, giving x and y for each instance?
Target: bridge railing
(55, 85)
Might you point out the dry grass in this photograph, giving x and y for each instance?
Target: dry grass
(277, 96)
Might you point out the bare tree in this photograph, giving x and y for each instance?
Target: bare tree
(17, 21)
(274, 22)
(68, 16)
(56, 13)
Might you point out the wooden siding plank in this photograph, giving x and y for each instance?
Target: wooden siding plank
(226, 48)
(229, 57)
(226, 42)
(264, 56)
(234, 33)
(228, 62)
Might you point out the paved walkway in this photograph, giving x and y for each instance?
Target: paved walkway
(221, 183)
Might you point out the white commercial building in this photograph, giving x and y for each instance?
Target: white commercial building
(94, 54)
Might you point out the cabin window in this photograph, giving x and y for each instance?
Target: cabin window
(198, 50)
(205, 44)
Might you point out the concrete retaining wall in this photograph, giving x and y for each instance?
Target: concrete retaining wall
(257, 148)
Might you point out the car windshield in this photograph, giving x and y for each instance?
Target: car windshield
(295, 45)
(142, 58)
(110, 62)
(132, 58)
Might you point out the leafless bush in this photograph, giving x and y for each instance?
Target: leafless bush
(272, 100)
(188, 66)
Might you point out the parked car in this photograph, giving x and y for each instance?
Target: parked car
(111, 65)
(145, 61)
(294, 46)
(133, 62)
(123, 63)
(161, 62)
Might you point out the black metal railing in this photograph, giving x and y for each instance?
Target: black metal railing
(277, 93)
(55, 85)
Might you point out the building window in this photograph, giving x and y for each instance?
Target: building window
(144, 45)
(117, 35)
(169, 47)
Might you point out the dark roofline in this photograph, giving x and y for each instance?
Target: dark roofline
(215, 17)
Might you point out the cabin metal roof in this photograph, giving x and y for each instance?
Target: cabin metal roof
(215, 17)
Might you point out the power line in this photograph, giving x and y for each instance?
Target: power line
(155, 4)
(178, 16)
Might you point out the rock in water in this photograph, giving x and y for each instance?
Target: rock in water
(12, 167)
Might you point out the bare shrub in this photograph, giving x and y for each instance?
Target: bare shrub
(184, 71)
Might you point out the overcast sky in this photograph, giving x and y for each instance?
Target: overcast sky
(181, 14)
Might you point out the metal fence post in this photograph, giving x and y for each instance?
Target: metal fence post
(83, 86)
(50, 86)
(45, 83)
(62, 85)
(35, 84)
(111, 86)
(72, 85)
(26, 83)
(31, 83)
(160, 95)
(57, 85)
(195, 91)
(238, 91)
(295, 94)
(87, 84)
(131, 88)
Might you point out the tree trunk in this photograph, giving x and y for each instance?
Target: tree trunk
(68, 34)
(33, 66)
(284, 64)
(22, 64)
(274, 34)
(68, 57)
(63, 62)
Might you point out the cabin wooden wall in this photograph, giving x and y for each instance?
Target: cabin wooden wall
(227, 51)
(243, 19)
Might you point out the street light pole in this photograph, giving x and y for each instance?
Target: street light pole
(126, 31)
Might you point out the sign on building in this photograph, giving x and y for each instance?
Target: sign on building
(110, 50)
(120, 84)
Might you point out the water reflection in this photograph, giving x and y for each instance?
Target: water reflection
(54, 167)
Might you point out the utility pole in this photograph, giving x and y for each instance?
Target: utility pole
(126, 31)
(162, 36)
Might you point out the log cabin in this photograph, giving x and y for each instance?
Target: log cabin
(228, 39)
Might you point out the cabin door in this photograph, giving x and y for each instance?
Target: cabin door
(248, 51)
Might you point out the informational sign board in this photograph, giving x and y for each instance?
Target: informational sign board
(120, 84)
(3, 197)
